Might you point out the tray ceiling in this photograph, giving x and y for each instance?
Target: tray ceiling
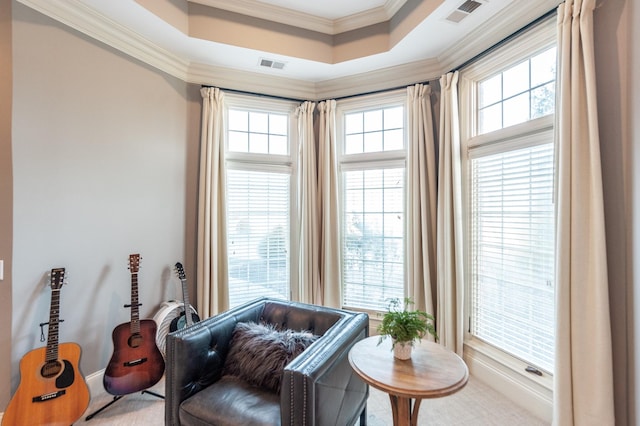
(337, 45)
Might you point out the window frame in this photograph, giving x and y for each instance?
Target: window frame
(275, 163)
(369, 160)
(519, 135)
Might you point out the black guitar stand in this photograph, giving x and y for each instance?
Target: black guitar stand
(117, 398)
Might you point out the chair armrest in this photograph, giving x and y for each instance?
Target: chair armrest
(322, 377)
(196, 354)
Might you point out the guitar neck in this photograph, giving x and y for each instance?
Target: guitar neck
(135, 305)
(187, 305)
(53, 329)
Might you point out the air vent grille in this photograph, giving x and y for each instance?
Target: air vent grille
(469, 6)
(463, 11)
(269, 63)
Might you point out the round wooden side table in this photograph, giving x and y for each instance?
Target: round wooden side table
(432, 372)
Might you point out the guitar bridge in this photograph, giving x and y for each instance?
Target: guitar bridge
(48, 396)
(135, 362)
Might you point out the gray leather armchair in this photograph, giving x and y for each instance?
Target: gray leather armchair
(318, 387)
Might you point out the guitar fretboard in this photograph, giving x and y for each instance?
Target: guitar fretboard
(187, 305)
(54, 320)
(135, 311)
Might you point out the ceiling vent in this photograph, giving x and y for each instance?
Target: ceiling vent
(268, 63)
(464, 10)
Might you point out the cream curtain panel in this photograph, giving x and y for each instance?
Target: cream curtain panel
(212, 286)
(421, 199)
(450, 282)
(329, 197)
(309, 252)
(319, 237)
(583, 378)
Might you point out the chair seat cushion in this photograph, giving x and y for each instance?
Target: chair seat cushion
(231, 402)
(258, 353)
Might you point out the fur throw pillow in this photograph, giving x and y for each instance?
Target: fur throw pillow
(259, 352)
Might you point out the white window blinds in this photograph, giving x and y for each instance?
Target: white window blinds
(258, 209)
(373, 237)
(512, 252)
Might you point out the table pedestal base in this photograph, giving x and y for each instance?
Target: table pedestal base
(403, 415)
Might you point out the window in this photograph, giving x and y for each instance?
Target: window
(260, 168)
(520, 93)
(372, 164)
(509, 190)
(512, 247)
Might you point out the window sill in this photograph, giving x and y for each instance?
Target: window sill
(507, 375)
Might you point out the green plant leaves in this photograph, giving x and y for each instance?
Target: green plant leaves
(405, 325)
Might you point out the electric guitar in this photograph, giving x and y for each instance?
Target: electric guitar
(52, 391)
(136, 363)
(184, 320)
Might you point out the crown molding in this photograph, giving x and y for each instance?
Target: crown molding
(82, 18)
(305, 20)
(368, 17)
(77, 15)
(383, 79)
(397, 76)
(393, 6)
(253, 82)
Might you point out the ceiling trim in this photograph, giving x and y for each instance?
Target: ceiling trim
(82, 18)
(227, 78)
(304, 20)
(383, 79)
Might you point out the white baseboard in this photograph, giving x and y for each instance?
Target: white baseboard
(94, 383)
(524, 392)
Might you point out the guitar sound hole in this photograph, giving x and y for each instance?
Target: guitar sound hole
(135, 340)
(51, 369)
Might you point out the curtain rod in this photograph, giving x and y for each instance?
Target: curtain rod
(373, 92)
(263, 95)
(284, 98)
(506, 39)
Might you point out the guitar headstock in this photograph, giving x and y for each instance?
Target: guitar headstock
(180, 271)
(134, 263)
(57, 278)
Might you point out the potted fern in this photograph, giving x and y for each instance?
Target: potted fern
(405, 326)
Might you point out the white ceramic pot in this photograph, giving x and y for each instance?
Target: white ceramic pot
(402, 350)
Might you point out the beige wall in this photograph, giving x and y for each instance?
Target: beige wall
(6, 199)
(611, 31)
(104, 165)
(633, 210)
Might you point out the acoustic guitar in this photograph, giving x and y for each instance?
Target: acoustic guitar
(136, 363)
(187, 317)
(52, 391)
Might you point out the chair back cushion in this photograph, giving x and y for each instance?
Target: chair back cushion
(315, 319)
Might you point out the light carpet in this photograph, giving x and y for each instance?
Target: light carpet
(475, 405)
